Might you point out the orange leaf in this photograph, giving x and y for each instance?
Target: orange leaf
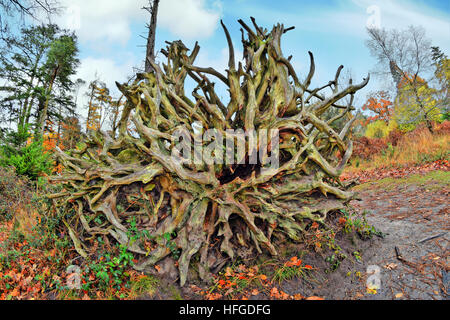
(85, 297)
(228, 272)
(15, 292)
(274, 292)
(314, 298)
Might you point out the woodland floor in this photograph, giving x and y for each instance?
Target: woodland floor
(410, 211)
(408, 208)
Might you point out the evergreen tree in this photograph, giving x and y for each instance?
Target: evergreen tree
(37, 67)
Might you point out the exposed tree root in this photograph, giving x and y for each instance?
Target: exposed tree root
(125, 185)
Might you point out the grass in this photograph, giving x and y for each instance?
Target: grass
(144, 285)
(434, 180)
(289, 272)
(28, 249)
(239, 281)
(418, 147)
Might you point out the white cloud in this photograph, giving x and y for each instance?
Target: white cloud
(101, 19)
(218, 62)
(350, 18)
(189, 18)
(100, 24)
(401, 14)
(105, 20)
(105, 70)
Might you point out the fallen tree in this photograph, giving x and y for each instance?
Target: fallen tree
(130, 187)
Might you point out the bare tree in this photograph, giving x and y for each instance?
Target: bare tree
(150, 54)
(406, 55)
(24, 8)
(401, 52)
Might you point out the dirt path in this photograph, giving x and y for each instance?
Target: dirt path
(409, 211)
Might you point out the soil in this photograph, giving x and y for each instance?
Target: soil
(408, 214)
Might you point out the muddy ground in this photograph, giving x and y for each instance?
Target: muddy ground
(415, 217)
(409, 212)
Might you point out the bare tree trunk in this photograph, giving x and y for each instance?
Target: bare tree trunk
(428, 122)
(150, 55)
(43, 110)
(91, 98)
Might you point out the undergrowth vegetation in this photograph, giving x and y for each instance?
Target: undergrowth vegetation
(36, 251)
(38, 259)
(401, 149)
(263, 278)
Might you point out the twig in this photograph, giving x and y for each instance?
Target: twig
(433, 237)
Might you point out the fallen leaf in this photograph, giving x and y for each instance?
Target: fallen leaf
(228, 272)
(274, 292)
(15, 292)
(391, 266)
(314, 298)
(371, 291)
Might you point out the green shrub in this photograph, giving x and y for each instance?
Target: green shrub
(28, 159)
(380, 129)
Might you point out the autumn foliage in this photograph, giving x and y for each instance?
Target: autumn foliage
(399, 149)
(365, 148)
(379, 104)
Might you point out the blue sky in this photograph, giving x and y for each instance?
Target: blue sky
(334, 30)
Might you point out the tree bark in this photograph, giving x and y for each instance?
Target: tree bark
(43, 110)
(150, 54)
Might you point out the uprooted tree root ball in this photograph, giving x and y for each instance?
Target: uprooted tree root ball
(131, 188)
